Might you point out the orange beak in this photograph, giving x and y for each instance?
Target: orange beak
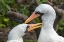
(33, 26)
(33, 16)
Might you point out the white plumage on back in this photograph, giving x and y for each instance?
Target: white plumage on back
(17, 33)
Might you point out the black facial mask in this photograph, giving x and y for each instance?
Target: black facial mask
(27, 29)
(40, 13)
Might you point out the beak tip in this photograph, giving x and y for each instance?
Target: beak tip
(25, 22)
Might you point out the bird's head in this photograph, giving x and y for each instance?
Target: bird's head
(19, 31)
(39, 11)
(43, 10)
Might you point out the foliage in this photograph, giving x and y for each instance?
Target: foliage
(60, 26)
(24, 10)
(42, 1)
(6, 5)
(2, 25)
(1, 21)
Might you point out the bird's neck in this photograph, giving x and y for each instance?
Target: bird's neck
(48, 25)
(48, 20)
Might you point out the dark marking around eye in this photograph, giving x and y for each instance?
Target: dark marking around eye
(40, 13)
(37, 12)
(27, 29)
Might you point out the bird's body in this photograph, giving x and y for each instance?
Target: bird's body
(48, 34)
(17, 33)
(48, 15)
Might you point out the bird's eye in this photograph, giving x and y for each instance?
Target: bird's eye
(40, 13)
(37, 12)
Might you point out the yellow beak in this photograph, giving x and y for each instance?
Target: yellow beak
(34, 26)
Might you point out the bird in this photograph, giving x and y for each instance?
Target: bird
(16, 34)
(48, 16)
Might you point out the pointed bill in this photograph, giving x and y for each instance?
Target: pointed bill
(34, 26)
(33, 16)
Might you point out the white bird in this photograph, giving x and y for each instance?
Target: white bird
(19, 31)
(48, 15)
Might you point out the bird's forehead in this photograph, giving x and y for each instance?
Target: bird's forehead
(43, 8)
(24, 24)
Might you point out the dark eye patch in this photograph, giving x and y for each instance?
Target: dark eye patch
(27, 29)
(37, 12)
(40, 13)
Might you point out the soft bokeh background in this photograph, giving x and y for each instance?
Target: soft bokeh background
(25, 8)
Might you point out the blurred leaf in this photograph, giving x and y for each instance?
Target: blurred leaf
(6, 19)
(14, 23)
(44, 0)
(37, 20)
(10, 1)
(8, 7)
(0, 15)
(61, 23)
(3, 1)
(1, 19)
(2, 25)
(0, 0)
(62, 0)
(1, 5)
(60, 26)
(25, 10)
(4, 11)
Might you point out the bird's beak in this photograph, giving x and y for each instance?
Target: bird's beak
(34, 26)
(33, 16)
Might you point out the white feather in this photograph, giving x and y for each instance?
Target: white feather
(17, 33)
(48, 34)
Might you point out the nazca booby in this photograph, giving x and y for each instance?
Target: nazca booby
(48, 15)
(16, 34)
